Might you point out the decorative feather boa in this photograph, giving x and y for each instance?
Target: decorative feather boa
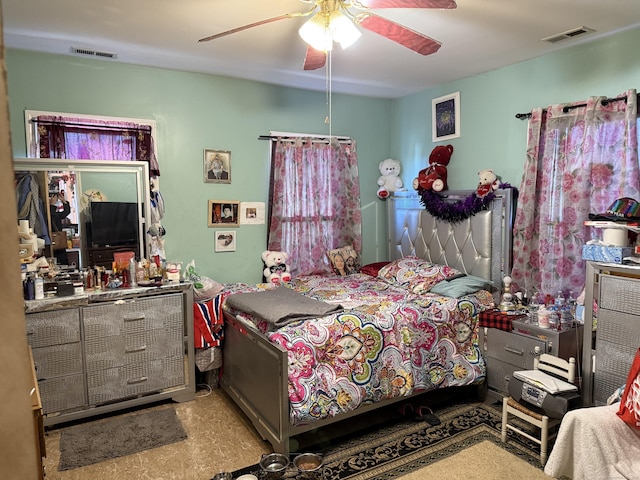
(455, 212)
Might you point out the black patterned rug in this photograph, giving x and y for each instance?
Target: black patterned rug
(405, 446)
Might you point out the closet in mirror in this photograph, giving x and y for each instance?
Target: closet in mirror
(80, 215)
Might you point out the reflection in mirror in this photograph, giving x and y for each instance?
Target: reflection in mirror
(81, 213)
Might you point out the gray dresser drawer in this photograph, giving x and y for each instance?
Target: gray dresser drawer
(62, 394)
(133, 316)
(620, 294)
(498, 374)
(53, 328)
(58, 360)
(134, 379)
(616, 345)
(512, 348)
(117, 351)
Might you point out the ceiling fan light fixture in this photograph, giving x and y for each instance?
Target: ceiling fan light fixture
(316, 32)
(343, 30)
(321, 30)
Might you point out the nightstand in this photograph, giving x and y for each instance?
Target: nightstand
(509, 351)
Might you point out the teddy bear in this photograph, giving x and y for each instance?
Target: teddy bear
(390, 180)
(488, 182)
(434, 177)
(276, 269)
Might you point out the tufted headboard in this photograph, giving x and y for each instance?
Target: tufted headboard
(480, 245)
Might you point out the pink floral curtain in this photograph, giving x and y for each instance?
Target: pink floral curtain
(91, 139)
(580, 158)
(315, 201)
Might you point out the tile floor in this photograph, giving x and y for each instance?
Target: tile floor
(220, 438)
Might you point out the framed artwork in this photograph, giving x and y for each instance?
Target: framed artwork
(223, 213)
(225, 241)
(445, 117)
(217, 166)
(251, 213)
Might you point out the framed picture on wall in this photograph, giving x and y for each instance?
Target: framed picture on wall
(251, 213)
(217, 166)
(223, 213)
(225, 241)
(445, 117)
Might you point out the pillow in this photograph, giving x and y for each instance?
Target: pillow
(373, 268)
(344, 260)
(629, 409)
(460, 286)
(416, 274)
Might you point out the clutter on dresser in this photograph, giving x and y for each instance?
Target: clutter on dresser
(45, 278)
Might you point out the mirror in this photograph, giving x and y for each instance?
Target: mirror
(99, 205)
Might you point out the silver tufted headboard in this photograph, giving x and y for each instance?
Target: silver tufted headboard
(480, 245)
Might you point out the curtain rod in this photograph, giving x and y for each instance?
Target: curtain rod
(314, 137)
(93, 125)
(565, 109)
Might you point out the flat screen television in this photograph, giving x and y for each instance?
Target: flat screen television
(113, 224)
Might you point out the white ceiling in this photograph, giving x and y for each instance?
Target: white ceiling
(476, 37)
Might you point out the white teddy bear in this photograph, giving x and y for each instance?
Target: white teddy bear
(390, 180)
(276, 269)
(488, 182)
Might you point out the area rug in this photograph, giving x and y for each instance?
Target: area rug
(405, 448)
(118, 436)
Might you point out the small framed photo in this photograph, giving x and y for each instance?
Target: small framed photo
(223, 213)
(217, 166)
(445, 117)
(252, 213)
(225, 241)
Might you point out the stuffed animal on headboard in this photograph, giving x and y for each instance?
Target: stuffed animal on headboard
(434, 177)
(276, 269)
(488, 182)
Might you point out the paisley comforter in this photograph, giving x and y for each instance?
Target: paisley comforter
(387, 342)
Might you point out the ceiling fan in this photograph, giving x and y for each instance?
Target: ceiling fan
(334, 20)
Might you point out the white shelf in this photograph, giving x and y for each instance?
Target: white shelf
(633, 226)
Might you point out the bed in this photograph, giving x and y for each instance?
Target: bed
(383, 343)
(593, 444)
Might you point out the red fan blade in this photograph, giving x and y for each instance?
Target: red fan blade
(315, 59)
(409, 3)
(404, 36)
(246, 27)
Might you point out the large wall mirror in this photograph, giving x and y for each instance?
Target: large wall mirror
(99, 205)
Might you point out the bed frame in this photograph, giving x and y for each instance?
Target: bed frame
(254, 370)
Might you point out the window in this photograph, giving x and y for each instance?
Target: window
(314, 200)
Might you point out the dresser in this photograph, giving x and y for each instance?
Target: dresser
(613, 331)
(508, 351)
(104, 351)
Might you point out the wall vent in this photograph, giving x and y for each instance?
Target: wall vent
(93, 53)
(569, 34)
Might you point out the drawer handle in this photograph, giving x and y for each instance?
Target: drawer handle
(137, 380)
(513, 350)
(133, 319)
(133, 350)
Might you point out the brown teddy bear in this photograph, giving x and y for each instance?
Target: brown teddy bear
(434, 177)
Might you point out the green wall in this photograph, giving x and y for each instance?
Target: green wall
(491, 136)
(194, 112)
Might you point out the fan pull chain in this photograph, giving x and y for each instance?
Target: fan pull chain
(328, 76)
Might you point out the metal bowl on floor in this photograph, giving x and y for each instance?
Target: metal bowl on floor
(308, 464)
(274, 465)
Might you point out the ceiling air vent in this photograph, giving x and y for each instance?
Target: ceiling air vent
(569, 34)
(93, 53)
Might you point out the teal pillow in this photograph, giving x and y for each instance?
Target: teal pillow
(459, 286)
